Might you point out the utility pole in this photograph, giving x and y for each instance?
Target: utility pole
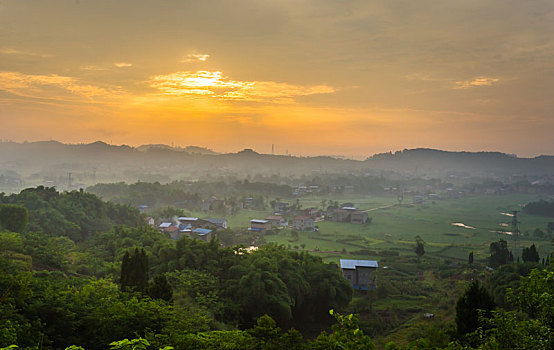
(69, 181)
(400, 197)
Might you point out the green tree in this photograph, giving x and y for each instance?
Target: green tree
(160, 288)
(134, 271)
(500, 254)
(531, 324)
(420, 247)
(345, 335)
(475, 298)
(530, 254)
(470, 259)
(13, 218)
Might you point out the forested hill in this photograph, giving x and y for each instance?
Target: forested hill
(76, 214)
(425, 160)
(35, 163)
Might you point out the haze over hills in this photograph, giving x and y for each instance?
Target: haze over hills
(37, 162)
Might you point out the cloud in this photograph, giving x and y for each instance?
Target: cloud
(93, 68)
(123, 64)
(476, 82)
(220, 87)
(193, 57)
(49, 86)
(12, 51)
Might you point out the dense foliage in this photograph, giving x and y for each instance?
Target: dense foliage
(90, 288)
(185, 194)
(541, 208)
(76, 214)
(134, 288)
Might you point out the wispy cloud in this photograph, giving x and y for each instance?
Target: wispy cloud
(476, 82)
(55, 87)
(193, 57)
(218, 86)
(93, 68)
(12, 51)
(123, 64)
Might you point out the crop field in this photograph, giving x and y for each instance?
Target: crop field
(394, 228)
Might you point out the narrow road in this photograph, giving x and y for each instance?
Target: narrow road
(386, 206)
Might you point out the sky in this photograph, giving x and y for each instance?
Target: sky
(311, 77)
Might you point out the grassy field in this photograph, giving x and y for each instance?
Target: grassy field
(395, 228)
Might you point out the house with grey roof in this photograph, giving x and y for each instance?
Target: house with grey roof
(360, 273)
(219, 222)
(259, 225)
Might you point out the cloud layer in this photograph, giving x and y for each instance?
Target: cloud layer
(366, 75)
(220, 87)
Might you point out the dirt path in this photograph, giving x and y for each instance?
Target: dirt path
(383, 207)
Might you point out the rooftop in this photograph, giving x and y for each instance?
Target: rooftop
(259, 221)
(201, 231)
(216, 220)
(352, 264)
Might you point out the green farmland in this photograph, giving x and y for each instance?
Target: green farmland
(394, 228)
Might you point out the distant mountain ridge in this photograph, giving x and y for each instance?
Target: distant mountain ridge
(99, 161)
(187, 149)
(426, 158)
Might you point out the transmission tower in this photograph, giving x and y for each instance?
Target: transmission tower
(515, 229)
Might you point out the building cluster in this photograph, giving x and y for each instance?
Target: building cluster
(193, 227)
(286, 215)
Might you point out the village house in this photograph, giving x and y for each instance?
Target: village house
(188, 220)
(281, 207)
(202, 223)
(360, 273)
(303, 223)
(220, 223)
(277, 221)
(338, 215)
(169, 228)
(418, 199)
(207, 205)
(248, 203)
(202, 234)
(359, 217)
(150, 222)
(259, 225)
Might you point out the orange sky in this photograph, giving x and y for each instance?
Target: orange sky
(312, 77)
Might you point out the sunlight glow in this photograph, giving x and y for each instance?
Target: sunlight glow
(215, 84)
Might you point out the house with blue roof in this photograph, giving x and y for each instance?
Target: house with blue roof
(202, 233)
(360, 273)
